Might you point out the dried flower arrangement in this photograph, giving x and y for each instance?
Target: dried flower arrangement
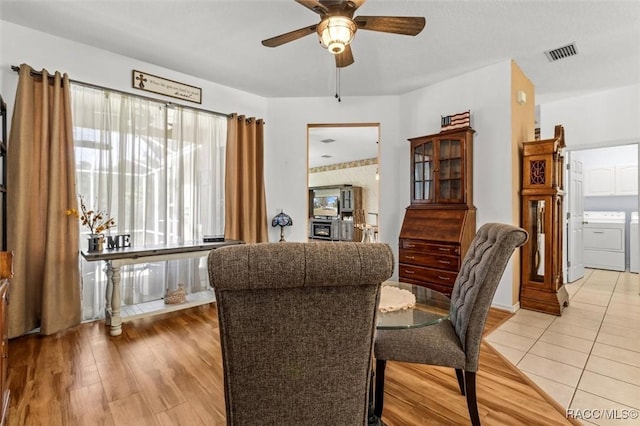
(97, 220)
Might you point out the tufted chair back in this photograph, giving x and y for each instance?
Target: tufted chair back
(297, 323)
(477, 281)
(456, 343)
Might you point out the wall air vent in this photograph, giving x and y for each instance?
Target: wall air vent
(326, 156)
(562, 52)
(327, 140)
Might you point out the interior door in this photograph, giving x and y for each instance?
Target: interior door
(575, 264)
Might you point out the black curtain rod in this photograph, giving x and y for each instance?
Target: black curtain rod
(95, 86)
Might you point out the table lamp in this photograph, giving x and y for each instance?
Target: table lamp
(281, 219)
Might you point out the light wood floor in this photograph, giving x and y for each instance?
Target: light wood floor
(167, 370)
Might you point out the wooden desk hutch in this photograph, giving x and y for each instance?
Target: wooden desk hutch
(440, 223)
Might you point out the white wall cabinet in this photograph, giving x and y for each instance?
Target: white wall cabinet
(627, 179)
(611, 180)
(600, 181)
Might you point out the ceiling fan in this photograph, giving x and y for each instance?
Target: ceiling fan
(337, 27)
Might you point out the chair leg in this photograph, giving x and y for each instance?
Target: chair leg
(472, 403)
(460, 376)
(381, 364)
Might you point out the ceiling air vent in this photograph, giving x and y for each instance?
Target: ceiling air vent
(561, 52)
(327, 140)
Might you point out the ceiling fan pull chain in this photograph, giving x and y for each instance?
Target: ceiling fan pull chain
(338, 84)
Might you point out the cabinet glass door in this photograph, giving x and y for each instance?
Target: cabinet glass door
(423, 172)
(535, 219)
(450, 171)
(347, 200)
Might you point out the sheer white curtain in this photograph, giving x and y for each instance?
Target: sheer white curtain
(159, 171)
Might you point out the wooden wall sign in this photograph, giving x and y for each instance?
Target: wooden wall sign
(163, 86)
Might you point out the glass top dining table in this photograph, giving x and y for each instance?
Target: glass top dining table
(431, 307)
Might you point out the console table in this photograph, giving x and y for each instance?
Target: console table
(116, 258)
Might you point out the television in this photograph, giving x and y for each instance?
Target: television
(326, 206)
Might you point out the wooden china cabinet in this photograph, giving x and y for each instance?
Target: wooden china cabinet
(440, 223)
(542, 193)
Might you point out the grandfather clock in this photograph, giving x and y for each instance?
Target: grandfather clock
(542, 287)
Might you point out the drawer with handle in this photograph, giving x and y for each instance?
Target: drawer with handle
(429, 247)
(430, 275)
(433, 260)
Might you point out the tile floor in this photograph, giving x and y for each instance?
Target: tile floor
(588, 358)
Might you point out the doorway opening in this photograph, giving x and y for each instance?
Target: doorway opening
(343, 181)
(601, 202)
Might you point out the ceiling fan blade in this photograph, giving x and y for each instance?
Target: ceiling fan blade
(290, 36)
(345, 58)
(314, 6)
(406, 25)
(354, 4)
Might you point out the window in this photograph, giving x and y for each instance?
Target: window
(159, 171)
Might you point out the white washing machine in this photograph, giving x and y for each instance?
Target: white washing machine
(603, 240)
(634, 246)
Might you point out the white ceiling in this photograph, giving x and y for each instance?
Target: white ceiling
(219, 40)
(349, 144)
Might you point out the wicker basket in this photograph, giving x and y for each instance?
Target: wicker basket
(177, 296)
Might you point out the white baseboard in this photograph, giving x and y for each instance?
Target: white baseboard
(508, 308)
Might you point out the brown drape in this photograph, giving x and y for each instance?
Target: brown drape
(45, 290)
(245, 202)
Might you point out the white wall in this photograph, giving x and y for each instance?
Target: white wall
(487, 93)
(605, 118)
(610, 156)
(85, 63)
(2, 35)
(286, 155)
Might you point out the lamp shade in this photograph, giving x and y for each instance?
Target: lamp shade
(281, 219)
(336, 32)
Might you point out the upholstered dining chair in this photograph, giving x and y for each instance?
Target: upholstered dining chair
(456, 342)
(297, 323)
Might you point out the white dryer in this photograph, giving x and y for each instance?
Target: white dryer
(634, 246)
(603, 240)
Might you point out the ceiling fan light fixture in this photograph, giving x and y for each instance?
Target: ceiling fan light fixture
(336, 32)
